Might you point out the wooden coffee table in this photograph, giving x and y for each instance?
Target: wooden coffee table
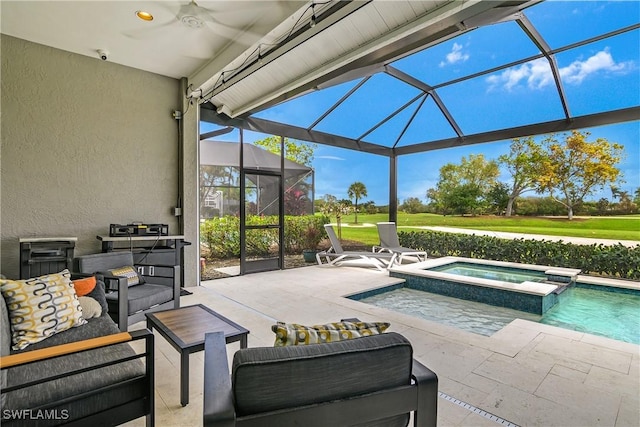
(184, 329)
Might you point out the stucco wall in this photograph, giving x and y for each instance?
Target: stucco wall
(85, 143)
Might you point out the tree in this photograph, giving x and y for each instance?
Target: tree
(356, 191)
(602, 205)
(498, 198)
(625, 204)
(333, 206)
(412, 205)
(522, 163)
(214, 181)
(464, 199)
(473, 173)
(369, 207)
(574, 168)
(297, 193)
(296, 151)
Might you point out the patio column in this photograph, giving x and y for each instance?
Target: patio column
(393, 188)
(188, 187)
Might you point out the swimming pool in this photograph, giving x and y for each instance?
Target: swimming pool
(525, 287)
(583, 307)
(492, 272)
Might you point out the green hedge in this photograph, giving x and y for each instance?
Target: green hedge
(222, 235)
(615, 261)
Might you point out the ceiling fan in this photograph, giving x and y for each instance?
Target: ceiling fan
(192, 16)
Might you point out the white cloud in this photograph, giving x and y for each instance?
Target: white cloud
(578, 71)
(456, 55)
(330, 157)
(537, 73)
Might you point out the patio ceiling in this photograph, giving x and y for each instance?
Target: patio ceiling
(376, 61)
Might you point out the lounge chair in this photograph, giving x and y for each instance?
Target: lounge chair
(389, 243)
(335, 255)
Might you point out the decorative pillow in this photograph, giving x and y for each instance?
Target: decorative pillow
(128, 271)
(98, 294)
(90, 307)
(41, 307)
(84, 286)
(295, 334)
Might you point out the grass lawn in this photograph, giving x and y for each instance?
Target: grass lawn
(621, 228)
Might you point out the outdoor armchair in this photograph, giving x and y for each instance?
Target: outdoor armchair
(335, 255)
(390, 243)
(368, 381)
(129, 300)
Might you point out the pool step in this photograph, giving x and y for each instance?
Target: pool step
(561, 287)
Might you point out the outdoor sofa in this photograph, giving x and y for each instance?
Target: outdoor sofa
(370, 381)
(85, 375)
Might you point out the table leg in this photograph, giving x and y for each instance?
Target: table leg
(243, 341)
(184, 378)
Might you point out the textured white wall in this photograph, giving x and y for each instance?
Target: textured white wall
(84, 143)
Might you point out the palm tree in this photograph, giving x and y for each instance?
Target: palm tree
(356, 191)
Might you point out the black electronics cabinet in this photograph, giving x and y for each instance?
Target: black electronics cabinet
(157, 258)
(40, 256)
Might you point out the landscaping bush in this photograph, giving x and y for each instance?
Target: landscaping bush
(616, 261)
(222, 235)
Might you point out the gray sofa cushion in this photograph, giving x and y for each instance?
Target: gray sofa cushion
(272, 378)
(39, 394)
(102, 261)
(141, 297)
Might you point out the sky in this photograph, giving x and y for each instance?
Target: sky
(600, 76)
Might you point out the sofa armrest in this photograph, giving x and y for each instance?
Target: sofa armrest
(61, 350)
(35, 356)
(123, 298)
(427, 383)
(218, 409)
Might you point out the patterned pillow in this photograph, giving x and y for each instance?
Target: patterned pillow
(41, 307)
(128, 271)
(295, 334)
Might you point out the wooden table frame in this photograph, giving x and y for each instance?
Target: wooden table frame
(184, 329)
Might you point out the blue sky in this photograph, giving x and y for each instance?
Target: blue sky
(597, 77)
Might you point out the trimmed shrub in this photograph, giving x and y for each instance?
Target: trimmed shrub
(616, 261)
(222, 235)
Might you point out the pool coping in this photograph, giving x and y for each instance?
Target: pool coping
(532, 288)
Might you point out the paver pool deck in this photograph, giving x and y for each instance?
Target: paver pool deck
(527, 373)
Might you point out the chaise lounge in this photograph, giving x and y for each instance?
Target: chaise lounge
(335, 255)
(390, 243)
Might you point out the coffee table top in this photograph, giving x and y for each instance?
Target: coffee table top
(186, 326)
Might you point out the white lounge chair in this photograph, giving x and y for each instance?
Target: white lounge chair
(389, 243)
(335, 255)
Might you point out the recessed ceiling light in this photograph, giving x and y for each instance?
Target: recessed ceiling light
(145, 16)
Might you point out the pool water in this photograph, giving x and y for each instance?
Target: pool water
(504, 274)
(609, 314)
(467, 315)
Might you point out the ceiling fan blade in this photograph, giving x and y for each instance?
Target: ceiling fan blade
(142, 33)
(232, 34)
(189, 9)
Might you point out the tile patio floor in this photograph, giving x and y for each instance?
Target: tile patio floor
(528, 374)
